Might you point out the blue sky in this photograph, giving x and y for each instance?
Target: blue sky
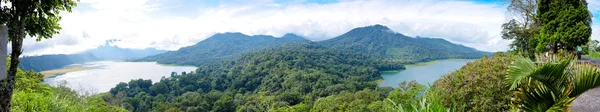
(172, 24)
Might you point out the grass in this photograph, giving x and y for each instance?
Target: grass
(429, 63)
(594, 55)
(50, 73)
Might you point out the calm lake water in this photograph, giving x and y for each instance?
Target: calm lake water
(107, 74)
(423, 74)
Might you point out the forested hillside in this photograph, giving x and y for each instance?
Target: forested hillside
(294, 74)
(382, 42)
(48, 62)
(377, 40)
(221, 47)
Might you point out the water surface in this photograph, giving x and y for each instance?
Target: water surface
(107, 74)
(425, 74)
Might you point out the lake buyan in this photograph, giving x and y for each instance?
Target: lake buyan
(425, 74)
(107, 74)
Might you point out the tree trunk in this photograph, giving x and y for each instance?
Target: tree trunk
(6, 84)
(6, 89)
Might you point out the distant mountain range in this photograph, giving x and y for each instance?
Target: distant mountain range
(221, 47)
(376, 40)
(105, 52)
(382, 42)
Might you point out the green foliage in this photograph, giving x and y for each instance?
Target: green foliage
(27, 18)
(565, 24)
(594, 55)
(291, 77)
(477, 86)
(550, 83)
(407, 93)
(31, 95)
(49, 62)
(591, 46)
(522, 37)
(271, 79)
(421, 106)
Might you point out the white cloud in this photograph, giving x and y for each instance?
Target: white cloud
(142, 23)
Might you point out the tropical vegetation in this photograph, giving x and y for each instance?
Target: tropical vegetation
(27, 18)
(550, 83)
(31, 95)
(237, 72)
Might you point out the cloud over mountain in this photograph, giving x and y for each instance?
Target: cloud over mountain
(170, 25)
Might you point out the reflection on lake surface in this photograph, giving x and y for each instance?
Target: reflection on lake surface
(107, 74)
(426, 74)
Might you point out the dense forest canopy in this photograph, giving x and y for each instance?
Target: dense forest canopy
(292, 74)
(261, 73)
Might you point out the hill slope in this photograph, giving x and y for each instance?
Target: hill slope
(293, 74)
(382, 42)
(55, 61)
(221, 47)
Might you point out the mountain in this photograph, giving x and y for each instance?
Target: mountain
(220, 47)
(380, 41)
(54, 61)
(290, 76)
(279, 77)
(106, 52)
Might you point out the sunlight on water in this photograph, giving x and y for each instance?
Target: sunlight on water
(423, 74)
(106, 74)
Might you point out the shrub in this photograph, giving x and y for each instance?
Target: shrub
(477, 86)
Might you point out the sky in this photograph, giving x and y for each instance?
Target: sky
(172, 24)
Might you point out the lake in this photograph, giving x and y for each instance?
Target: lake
(107, 74)
(425, 74)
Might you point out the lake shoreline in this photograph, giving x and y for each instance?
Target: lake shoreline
(426, 63)
(411, 68)
(105, 75)
(55, 72)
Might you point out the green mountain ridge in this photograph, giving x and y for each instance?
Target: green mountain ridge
(381, 41)
(377, 40)
(301, 76)
(277, 77)
(221, 47)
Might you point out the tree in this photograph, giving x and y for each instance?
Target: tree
(34, 18)
(565, 24)
(523, 27)
(550, 85)
(591, 46)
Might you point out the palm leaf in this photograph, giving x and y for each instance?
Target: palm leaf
(586, 77)
(535, 97)
(552, 75)
(519, 70)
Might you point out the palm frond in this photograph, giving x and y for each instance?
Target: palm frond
(552, 75)
(535, 97)
(519, 70)
(586, 77)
